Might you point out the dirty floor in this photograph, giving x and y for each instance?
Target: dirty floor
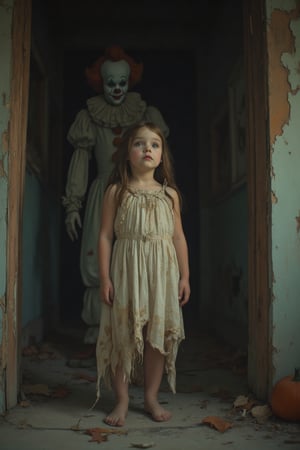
(212, 409)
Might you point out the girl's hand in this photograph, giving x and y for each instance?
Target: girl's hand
(184, 292)
(107, 293)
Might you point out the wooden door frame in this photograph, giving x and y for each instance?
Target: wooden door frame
(259, 347)
(259, 227)
(19, 93)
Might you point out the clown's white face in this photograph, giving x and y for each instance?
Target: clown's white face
(115, 81)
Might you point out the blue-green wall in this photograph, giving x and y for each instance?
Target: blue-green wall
(228, 223)
(223, 274)
(41, 253)
(285, 186)
(42, 207)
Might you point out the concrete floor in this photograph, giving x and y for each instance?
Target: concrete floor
(209, 379)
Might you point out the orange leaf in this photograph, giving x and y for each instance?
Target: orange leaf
(84, 376)
(46, 355)
(60, 392)
(24, 403)
(100, 434)
(217, 423)
(30, 350)
(97, 435)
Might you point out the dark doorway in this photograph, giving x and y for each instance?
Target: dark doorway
(168, 83)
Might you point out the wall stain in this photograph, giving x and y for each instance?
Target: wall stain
(281, 40)
(2, 303)
(272, 172)
(274, 199)
(298, 222)
(4, 141)
(2, 171)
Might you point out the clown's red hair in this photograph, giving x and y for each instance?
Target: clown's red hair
(113, 53)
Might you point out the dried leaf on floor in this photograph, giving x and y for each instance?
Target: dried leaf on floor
(44, 356)
(38, 389)
(243, 403)
(217, 422)
(42, 353)
(100, 434)
(60, 392)
(85, 376)
(97, 435)
(240, 402)
(24, 403)
(142, 445)
(261, 412)
(30, 350)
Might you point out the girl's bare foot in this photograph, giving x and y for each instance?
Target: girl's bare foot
(157, 412)
(118, 415)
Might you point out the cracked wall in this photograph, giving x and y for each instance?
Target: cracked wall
(283, 36)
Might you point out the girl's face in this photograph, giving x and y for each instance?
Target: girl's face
(145, 150)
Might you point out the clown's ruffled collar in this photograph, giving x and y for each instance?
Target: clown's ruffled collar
(128, 113)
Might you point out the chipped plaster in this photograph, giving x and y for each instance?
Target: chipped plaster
(283, 38)
(281, 42)
(274, 198)
(283, 32)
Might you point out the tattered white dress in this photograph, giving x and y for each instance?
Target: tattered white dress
(145, 275)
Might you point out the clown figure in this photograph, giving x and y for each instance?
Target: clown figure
(97, 129)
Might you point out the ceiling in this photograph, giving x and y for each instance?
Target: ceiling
(158, 24)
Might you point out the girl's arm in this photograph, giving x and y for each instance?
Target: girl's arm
(106, 236)
(181, 248)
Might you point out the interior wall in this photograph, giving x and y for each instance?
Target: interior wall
(42, 204)
(283, 35)
(41, 253)
(223, 218)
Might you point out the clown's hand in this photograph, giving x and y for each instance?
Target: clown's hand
(73, 221)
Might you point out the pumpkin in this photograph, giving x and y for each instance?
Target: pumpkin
(285, 397)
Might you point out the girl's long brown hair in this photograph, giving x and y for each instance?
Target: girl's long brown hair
(121, 173)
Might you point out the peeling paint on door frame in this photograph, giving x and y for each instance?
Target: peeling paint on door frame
(281, 40)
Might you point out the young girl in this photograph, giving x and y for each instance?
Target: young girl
(144, 272)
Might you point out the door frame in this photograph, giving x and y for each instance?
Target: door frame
(19, 93)
(259, 195)
(259, 346)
